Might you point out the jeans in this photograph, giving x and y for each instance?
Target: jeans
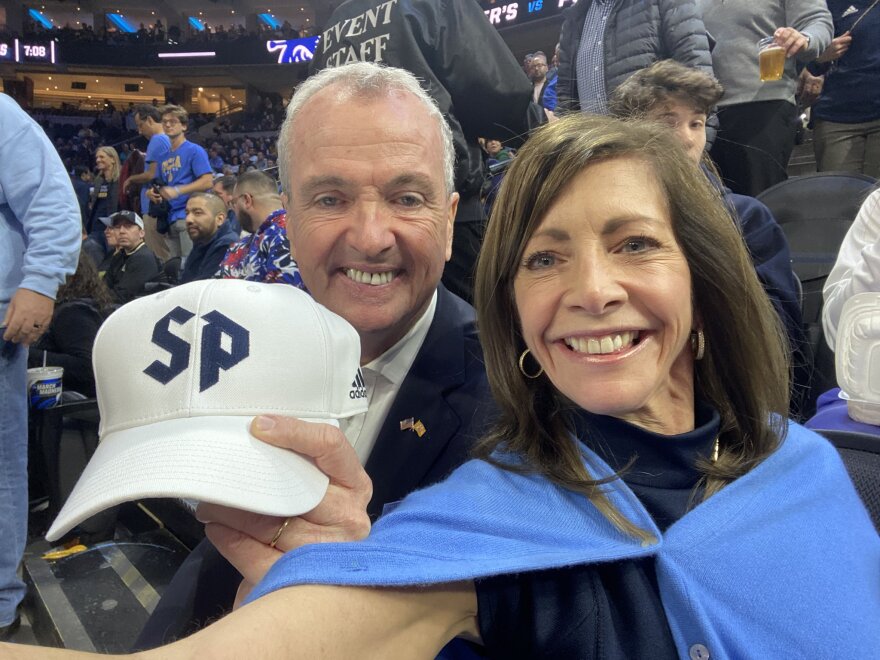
(847, 147)
(13, 480)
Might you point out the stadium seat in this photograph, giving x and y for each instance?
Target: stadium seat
(861, 455)
(815, 211)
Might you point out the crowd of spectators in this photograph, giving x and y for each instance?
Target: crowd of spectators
(76, 143)
(672, 87)
(158, 33)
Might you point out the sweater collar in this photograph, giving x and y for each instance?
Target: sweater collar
(667, 461)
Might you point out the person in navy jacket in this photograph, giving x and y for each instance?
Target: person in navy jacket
(210, 234)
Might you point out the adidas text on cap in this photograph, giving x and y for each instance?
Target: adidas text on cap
(181, 374)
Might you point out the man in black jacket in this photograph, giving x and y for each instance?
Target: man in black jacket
(210, 233)
(134, 264)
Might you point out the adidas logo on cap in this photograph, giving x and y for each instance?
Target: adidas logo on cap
(358, 387)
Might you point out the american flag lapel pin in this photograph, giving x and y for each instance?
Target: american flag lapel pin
(412, 424)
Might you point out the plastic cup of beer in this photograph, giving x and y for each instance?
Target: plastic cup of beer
(771, 59)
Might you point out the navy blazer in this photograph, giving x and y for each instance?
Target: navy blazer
(445, 389)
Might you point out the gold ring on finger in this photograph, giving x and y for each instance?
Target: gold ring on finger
(279, 533)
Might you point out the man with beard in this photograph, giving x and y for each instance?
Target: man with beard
(543, 85)
(210, 233)
(264, 256)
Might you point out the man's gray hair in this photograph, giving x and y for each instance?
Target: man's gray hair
(365, 80)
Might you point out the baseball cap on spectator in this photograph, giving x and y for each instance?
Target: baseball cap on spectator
(176, 413)
(128, 216)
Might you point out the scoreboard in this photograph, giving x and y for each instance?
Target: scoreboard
(27, 51)
(506, 14)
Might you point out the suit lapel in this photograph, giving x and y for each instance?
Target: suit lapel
(401, 459)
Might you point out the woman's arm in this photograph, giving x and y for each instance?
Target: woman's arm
(317, 622)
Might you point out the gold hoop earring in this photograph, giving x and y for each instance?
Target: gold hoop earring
(698, 344)
(522, 359)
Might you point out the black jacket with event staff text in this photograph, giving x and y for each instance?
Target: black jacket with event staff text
(458, 56)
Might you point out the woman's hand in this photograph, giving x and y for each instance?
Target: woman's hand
(245, 538)
(837, 48)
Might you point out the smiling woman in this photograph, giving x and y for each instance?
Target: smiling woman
(599, 290)
(634, 242)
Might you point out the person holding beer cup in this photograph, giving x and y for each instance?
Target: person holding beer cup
(757, 46)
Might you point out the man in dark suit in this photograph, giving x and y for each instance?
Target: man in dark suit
(371, 207)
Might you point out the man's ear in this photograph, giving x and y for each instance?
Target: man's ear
(284, 200)
(450, 228)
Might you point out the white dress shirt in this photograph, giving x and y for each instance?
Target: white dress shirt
(383, 377)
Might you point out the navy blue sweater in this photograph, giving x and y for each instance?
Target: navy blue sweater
(614, 605)
(851, 93)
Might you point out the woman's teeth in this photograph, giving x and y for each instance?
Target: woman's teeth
(602, 345)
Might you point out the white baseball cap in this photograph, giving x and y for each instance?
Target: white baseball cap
(181, 374)
(857, 356)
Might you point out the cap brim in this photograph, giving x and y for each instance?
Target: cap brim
(211, 459)
(106, 219)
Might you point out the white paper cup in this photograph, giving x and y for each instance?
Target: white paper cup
(44, 387)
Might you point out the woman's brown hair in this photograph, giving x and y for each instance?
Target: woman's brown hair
(86, 283)
(744, 374)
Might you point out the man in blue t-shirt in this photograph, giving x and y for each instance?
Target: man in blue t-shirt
(149, 124)
(184, 170)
